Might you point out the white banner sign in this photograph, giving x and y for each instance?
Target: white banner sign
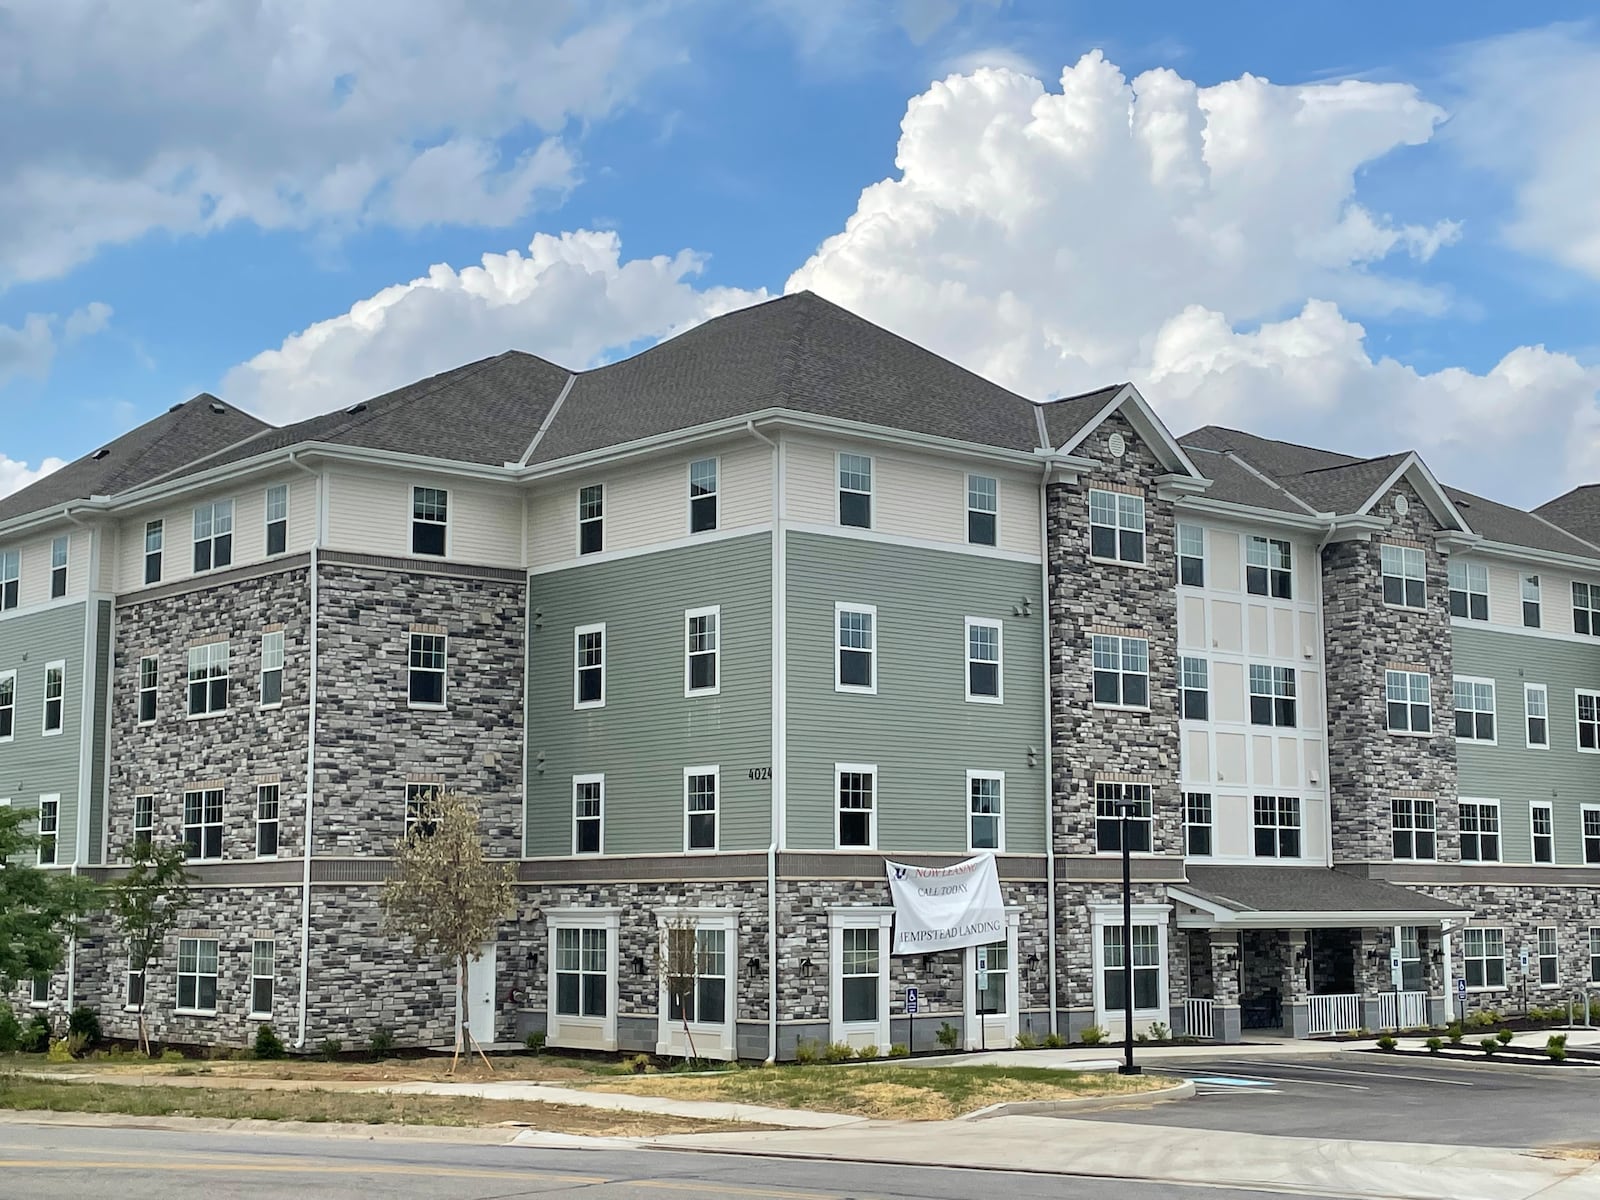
(946, 908)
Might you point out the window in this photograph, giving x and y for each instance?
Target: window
(1405, 579)
(855, 490)
(1409, 701)
(702, 495)
(1146, 968)
(592, 518)
(1480, 831)
(1474, 709)
(39, 991)
(1549, 956)
(1268, 567)
(58, 566)
(589, 666)
(1194, 684)
(581, 982)
(261, 956)
(1591, 834)
(983, 510)
(425, 670)
(272, 669)
(144, 819)
(1484, 955)
(858, 972)
(278, 519)
(700, 807)
(857, 813)
(1272, 696)
(588, 813)
(986, 791)
(10, 578)
(1191, 556)
(1594, 956)
(1536, 705)
(197, 975)
(419, 817)
(55, 696)
(1530, 601)
(202, 824)
(430, 519)
(208, 679)
(149, 685)
(708, 1005)
(703, 632)
(1415, 829)
(49, 826)
(1121, 671)
(1108, 797)
(1586, 608)
(154, 533)
(266, 820)
(989, 984)
(983, 660)
(213, 536)
(1116, 526)
(1197, 824)
(1544, 832)
(1589, 721)
(134, 981)
(8, 705)
(1469, 591)
(1410, 959)
(1277, 826)
(855, 658)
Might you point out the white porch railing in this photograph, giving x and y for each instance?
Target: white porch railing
(1402, 1010)
(1197, 1018)
(1334, 1014)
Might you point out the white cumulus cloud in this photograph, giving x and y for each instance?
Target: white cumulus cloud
(14, 475)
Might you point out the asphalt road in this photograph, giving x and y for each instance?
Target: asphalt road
(1377, 1098)
(58, 1162)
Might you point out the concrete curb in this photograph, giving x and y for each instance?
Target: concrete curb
(1034, 1108)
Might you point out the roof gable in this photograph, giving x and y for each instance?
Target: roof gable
(1083, 414)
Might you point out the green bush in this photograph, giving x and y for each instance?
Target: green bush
(1456, 1034)
(1387, 1042)
(1434, 1044)
(1489, 1045)
(838, 1052)
(639, 1064)
(1160, 1031)
(1092, 1036)
(806, 1052)
(381, 1043)
(949, 1036)
(36, 1036)
(172, 1056)
(867, 1052)
(83, 1020)
(60, 1051)
(10, 1030)
(1026, 1041)
(331, 1048)
(268, 1043)
(1484, 1019)
(1557, 1052)
(1054, 1041)
(1504, 1037)
(899, 1050)
(535, 1040)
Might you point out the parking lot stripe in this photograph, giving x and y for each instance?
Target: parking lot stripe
(1378, 1074)
(1353, 1087)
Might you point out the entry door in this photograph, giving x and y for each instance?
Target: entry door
(991, 995)
(480, 994)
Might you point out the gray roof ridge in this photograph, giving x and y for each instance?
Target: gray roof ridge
(1256, 437)
(1359, 462)
(1235, 456)
(549, 419)
(1038, 422)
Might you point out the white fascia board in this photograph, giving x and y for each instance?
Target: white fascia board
(1148, 424)
(1261, 516)
(1432, 491)
(1526, 554)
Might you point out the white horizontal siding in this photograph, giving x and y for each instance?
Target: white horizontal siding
(369, 512)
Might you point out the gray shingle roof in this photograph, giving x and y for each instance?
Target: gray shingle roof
(1578, 512)
(1345, 488)
(1065, 418)
(1235, 483)
(1266, 454)
(1306, 889)
(1502, 523)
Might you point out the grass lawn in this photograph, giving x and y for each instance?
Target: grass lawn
(891, 1093)
(35, 1095)
(542, 1068)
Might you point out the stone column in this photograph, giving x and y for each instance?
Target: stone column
(1225, 986)
(1296, 994)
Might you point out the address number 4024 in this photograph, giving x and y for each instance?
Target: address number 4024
(760, 772)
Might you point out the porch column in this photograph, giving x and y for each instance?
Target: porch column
(1293, 988)
(1372, 972)
(1225, 984)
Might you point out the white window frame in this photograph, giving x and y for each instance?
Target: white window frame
(10, 705)
(1578, 697)
(598, 780)
(1122, 672)
(144, 817)
(1540, 957)
(976, 509)
(597, 518)
(1584, 825)
(53, 800)
(442, 670)
(1185, 530)
(275, 820)
(840, 491)
(215, 975)
(1470, 575)
(1532, 594)
(1534, 808)
(148, 687)
(1409, 703)
(1498, 832)
(859, 1033)
(689, 652)
(1412, 567)
(218, 513)
(1415, 828)
(1529, 690)
(257, 1013)
(999, 660)
(840, 770)
(58, 668)
(1589, 594)
(712, 1039)
(579, 1032)
(1282, 685)
(129, 1003)
(578, 667)
(1188, 686)
(713, 495)
(60, 556)
(275, 500)
(1110, 916)
(1270, 547)
(1282, 806)
(210, 657)
(272, 663)
(1594, 954)
(999, 814)
(203, 824)
(714, 773)
(1484, 958)
(10, 579)
(154, 531)
(416, 794)
(1117, 791)
(870, 611)
(1209, 824)
(1476, 685)
(1125, 508)
(424, 515)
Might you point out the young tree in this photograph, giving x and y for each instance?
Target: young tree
(680, 970)
(39, 910)
(145, 906)
(447, 896)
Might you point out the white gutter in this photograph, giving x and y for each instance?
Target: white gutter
(1049, 769)
(311, 751)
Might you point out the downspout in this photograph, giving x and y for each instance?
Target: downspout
(1049, 771)
(311, 753)
(1322, 669)
(779, 733)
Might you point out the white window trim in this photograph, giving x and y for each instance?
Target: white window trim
(1494, 711)
(1550, 808)
(1578, 733)
(714, 610)
(177, 974)
(840, 490)
(966, 634)
(725, 1047)
(572, 817)
(1144, 529)
(875, 1032)
(202, 825)
(1583, 859)
(1536, 960)
(716, 843)
(227, 674)
(412, 520)
(968, 510)
(1413, 829)
(1505, 964)
(282, 668)
(255, 1014)
(579, 521)
(840, 607)
(214, 535)
(267, 522)
(1178, 554)
(44, 709)
(1499, 833)
(1000, 817)
(1527, 690)
(139, 690)
(841, 769)
(1119, 638)
(1404, 578)
(55, 861)
(444, 680)
(1159, 915)
(64, 569)
(602, 1031)
(1469, 593)
(605, 652)
(689, 497)
(277, 821)
(127, 994)
(1416, 733)
(12, 676)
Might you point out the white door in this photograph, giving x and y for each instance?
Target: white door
(991, 995)
(480, 994)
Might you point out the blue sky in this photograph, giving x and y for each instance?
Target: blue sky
(1393, 243)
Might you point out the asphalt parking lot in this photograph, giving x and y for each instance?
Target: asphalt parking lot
(1378, 1098)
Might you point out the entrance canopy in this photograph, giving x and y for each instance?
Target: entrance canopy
(1302, 898)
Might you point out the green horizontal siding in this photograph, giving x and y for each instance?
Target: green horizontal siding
(919, 730)
(31, 764)
(1509, 771)
(649, 731)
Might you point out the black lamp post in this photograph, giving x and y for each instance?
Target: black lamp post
(1127, 808)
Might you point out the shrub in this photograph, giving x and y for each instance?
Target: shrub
(268, 1043)
(381, 1043)
(1387, 1042)
(1054, 1041)
(949, 1036)
(1435, 1044)
(1363, 1032)
(1556, 1039)
(1026, 1041)
(535, 1040)
(1504, 1037)
(899, 1050)
(867, 1052)
(1484, 1018)
(1092, 1036)
(639, 1064)
(805, 1052)
(1489, 1045)
(838, 1052)
(172, 1056)
(82, 1020)
(331, 1048)
(36, 1035)
(1160, 1031)
(10, 1029)
(1556, 1050)
(1456, 1034)
(59, 1051)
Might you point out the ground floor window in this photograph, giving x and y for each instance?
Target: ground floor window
(133, 987)
(262, 953)
(991, 967)
(1146, 967)
(1410, 958)
(858, 974)
(1549, 957)
(197, 975)
(581, 984)
(707, 1002)
(1594, 956)
(1484, 957)
(40, 993)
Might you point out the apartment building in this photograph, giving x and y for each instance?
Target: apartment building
(712, 631)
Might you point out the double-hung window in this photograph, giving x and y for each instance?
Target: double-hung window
(1531, 615)
(983, 510)
(430, 520)
(422, 797)
(272, 668)
(1191, 556)
(134, 988)
(983, 661)
(1586, 608)
(1589, 721)
(1146, 968)
(1469, 590)
(277, 504)
(700, 807)
(855, 490)
(149, 688)
(858, 974)
(1591, 834)
(262, 954)
(986, 791)
(1272, 696)
(856, 648)
(208, 679)
(1480, 831)
(1405, 579)
(582, 983)
(1549, 956)
(425, 671)
(1536, 707)
(589, 666)
(197, 975)
(154, 538)
(1277, 826)
(1116, 526)
(592, 518)
(202, 823)
(588, 813)
(1594, 955)
(59, 550)
(10, 579)
(1194, 686)
(1409, 701)
(702, 651)
(1542, 819)
(213, 536)
(1415, 829)
(55, 697)
(707, 1003)
(1121, 670)
(49, 826)
(1269, 568)
(1483, 952)
(1474, 710)
(1109, 799)
(266, 820)
(144, 819)
(1197, 824)
(856, 787)
(8, 705)
(702, 495)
